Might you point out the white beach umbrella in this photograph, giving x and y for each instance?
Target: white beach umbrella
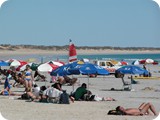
(136, 62)
(45, 68)
(24, 66)
(149, 61)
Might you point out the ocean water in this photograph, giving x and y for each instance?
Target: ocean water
(126, 57)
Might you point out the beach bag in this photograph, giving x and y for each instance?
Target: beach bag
(64, 98)
(6, 93)
(25, 96)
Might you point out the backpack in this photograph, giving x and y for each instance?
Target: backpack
(64, 98)
(25, 96)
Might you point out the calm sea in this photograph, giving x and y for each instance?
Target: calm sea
(126, 57)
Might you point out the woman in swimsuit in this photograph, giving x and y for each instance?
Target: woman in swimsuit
(28, 78)
(143, 109)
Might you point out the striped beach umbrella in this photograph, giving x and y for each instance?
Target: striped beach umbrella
(15, 63)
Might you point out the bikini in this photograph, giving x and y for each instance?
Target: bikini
(28, 73)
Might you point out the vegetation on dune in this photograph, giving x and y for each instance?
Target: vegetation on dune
(65, 47)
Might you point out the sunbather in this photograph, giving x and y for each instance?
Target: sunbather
(69, 81)
(143, 109)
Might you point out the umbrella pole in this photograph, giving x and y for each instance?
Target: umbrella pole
(46, 78)
(72, 84)
(88, 81)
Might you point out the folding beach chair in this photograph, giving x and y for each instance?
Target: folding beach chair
(126, 85)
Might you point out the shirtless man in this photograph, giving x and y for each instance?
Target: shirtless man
(142, 110)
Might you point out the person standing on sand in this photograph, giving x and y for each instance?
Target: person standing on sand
(144, 67)
(28, 78)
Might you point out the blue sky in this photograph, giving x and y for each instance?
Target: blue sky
(118, 23)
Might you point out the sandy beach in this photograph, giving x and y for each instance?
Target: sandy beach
(27, 51)
(145, 91)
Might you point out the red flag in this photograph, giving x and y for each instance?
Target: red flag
(72, 52)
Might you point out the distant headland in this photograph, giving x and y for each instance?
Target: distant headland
(6, 49)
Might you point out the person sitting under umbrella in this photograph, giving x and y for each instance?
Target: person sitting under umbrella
(69, 81)
(59, 83)
(39, 76)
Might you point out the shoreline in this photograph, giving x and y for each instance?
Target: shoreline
(79, 52)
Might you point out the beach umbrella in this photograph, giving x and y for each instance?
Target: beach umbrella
(131, 69)
(14, 62)
(64, 70)
(46, 67)
(88, 68)
(149, 61)
(61, 71)
(58, 63)
(146, 61)
(79, 67)
(33, 66)
(3, 63)
(155, 62)
(122, 63)
(136, 62)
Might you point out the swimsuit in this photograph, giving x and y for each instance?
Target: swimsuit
(28, 73)
(6, 84)
(28, 79)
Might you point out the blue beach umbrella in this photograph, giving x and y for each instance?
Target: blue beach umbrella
(64, 70)
(77, 68)
(61, 71)
(88, 68)
(3, 63)
(132, 69)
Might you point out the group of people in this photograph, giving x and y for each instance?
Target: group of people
(56, 94)
(24, 78)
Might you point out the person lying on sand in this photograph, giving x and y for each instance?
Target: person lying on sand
(82, 94)
(143, 109)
